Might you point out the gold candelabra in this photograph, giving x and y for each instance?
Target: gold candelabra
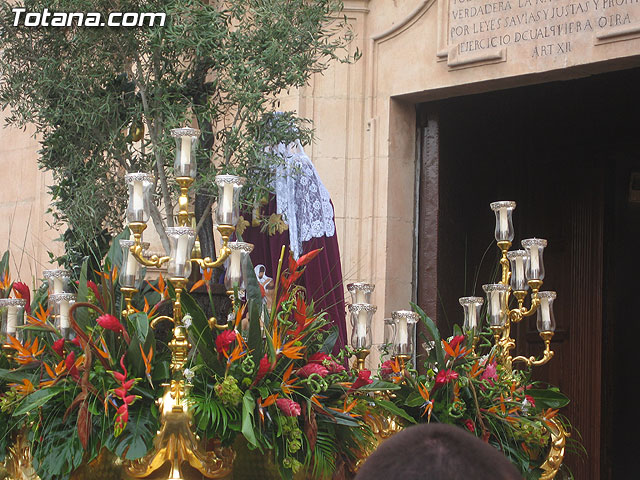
(521, 271)
(176, 444)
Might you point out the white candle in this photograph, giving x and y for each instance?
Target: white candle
(361, 296)
(545, 313)
(361, 326)
(495, 304)
(403, 334)
(235, 267)
(64, 314)
(12, 319)
(503, 225)
(535, 261)
(58, 285)
(227, 202)
(185, 155)
(181, 252)
(138, 196)
(132, 265)
(473, 320)
(519, 269)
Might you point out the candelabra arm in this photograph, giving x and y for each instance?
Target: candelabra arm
(225, 231)
(152, 261)
(183, 201)
(361, 356)
(546, 355)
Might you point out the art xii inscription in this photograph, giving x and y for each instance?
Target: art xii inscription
(540, 28)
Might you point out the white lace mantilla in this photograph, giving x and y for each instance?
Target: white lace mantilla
(302, 199)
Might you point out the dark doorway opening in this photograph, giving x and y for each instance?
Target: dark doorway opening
(566, 152)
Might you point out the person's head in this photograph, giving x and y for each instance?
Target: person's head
(437, 451)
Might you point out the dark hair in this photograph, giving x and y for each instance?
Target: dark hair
(437, 452)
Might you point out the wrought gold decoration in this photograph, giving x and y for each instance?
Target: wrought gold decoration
(18, 460)
(556, 455)
(361, 356)
(177, 445)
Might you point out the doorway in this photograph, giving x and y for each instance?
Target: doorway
(566, 152)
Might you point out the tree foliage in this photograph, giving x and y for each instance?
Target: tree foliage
(218, 65)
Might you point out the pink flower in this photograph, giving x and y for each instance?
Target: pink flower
(94, 288)
(58, 346)
(109, 322)
(224, 341)
(490, 372)
(288, 407)
(311, 368)
(22, 291)
(469, 424)
(364, 378)
(326, 361)
(444, 376)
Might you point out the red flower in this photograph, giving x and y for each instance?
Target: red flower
(263, 369)
(92, 285)
(386, 368)
(76, 342)
(70, 364)
(311, 368)
(22, 291)
(455, 341)
(288, 407)
(224, 341)
(58, 346)
(319, 358)
(109, 322)
(364, 378)
(531, 401)
(469, 424)
(444, 376)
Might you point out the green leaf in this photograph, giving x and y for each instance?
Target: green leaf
(35, 400)
(255, 304)
(81, 315)
(393, 409)
(248, 405)
(200, 333)
(414, 399)
(433, 331)
(548, 398)
(140, 323)
(330, 341)
(114, 255)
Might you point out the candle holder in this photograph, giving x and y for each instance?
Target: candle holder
(60, 304)
(234, 276)
(471, 307)
(361, 316)
(57, 280)
(360, 292)
(405, 328)
(12, 317)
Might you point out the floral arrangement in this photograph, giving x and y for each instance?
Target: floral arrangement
(464, 384)
(269, 381)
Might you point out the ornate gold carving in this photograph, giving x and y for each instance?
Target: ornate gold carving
(556, 455)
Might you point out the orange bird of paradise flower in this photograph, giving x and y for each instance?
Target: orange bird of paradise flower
(428, 404)
(40, 319)
(147, 363)
(459, 352)
(162, 288)
(289, 349)
(262, 404)
(288, 384)
(28, 352)
(207, 273)
(24, 388)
